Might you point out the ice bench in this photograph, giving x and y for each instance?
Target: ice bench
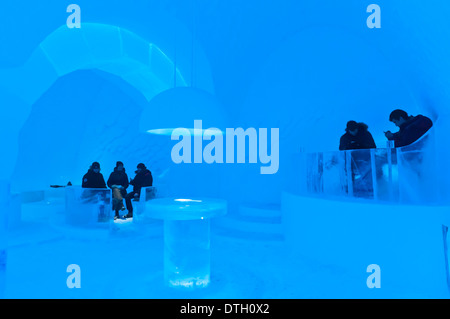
(88, 207)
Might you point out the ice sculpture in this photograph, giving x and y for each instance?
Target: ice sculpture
(186, 238)
(4, 197)
(89, 207)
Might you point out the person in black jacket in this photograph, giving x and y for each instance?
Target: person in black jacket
(143, 178)
(411, 128)
(93, 178)
(356, 137)
(118, 182)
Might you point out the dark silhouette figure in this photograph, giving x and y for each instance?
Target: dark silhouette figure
(143, 178)
(356, 137)
(118, 182)
(93, 178)
(411, 128)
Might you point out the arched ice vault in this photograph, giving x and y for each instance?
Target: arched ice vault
(112, 49)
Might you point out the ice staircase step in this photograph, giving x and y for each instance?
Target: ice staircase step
(258, 222)
(258, 210)
(221, 231)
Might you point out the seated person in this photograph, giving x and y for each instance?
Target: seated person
(411, 128)
(94, 179)
(356, 137)
(118, 182)
(143, 178)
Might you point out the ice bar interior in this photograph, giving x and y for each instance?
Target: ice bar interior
(292, 216)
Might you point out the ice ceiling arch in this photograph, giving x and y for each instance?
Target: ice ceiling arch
(108, 48)
(142, 64)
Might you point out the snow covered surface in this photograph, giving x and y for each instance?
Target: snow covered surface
(301, 66)
(405, 241)
(128, 263)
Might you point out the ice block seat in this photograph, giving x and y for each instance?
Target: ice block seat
(139, 206)
(186, 238)
(88, 207)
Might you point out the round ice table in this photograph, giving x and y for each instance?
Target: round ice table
(186, 238)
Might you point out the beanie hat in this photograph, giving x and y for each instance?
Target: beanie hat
(141, 166)
(95, 165)
(119, 163)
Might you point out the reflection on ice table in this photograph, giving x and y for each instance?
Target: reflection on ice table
(186, 238)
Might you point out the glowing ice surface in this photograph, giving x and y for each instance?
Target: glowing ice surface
(89, 207)
(187, 253)
(186, 238)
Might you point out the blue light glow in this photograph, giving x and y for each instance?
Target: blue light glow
(273, 211)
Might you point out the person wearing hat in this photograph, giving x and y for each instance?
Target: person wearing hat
(118, 182)
(356, 137)
(93, 178)
(143, 178)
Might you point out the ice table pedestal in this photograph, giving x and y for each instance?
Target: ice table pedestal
(186, 238)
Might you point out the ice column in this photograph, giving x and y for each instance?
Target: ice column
(4, 197)
(187, 253)
(186, 238)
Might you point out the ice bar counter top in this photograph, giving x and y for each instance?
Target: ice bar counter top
(186, 238)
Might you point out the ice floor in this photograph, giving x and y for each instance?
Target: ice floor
(129, 264)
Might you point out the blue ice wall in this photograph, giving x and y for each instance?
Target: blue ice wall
(304, 67)
(56, 147)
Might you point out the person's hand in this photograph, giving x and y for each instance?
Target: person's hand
(389, 135)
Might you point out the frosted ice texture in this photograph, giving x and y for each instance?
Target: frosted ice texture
(186, 208)
(88, 207)
(186, 238)
(187, 253)
(139, 212)
(407, 174)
